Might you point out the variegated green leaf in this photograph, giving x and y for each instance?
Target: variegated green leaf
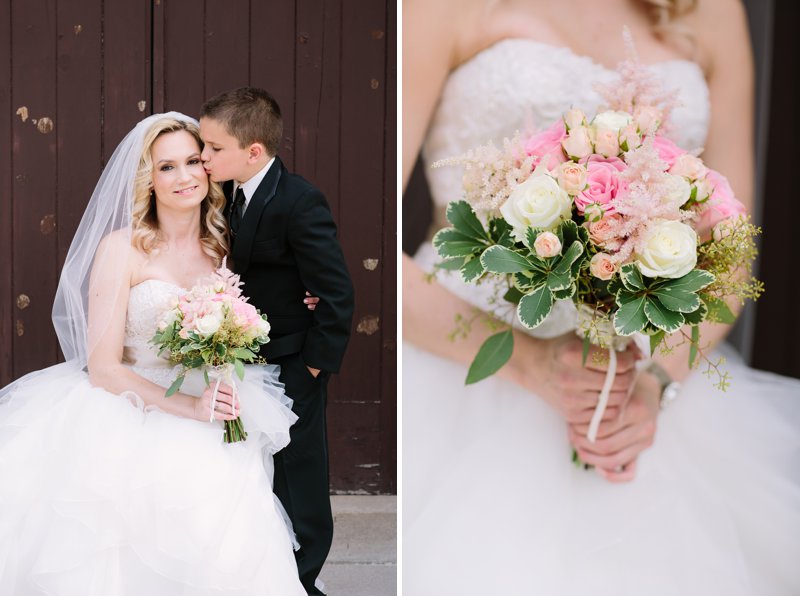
(662, 317)
(463, 218)
(534, 307)
(677, 300)
(499, 259)
(630, 317)
(694, 281)
(472, 270)
(631, 277)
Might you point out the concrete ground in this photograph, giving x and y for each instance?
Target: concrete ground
(363, 559)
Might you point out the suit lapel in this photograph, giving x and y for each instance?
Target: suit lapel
(243, 244)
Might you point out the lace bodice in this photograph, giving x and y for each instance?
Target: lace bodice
(524, 85)
(147, 302)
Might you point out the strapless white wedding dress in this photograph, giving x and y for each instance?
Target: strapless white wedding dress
(102, 497)
(491, 502)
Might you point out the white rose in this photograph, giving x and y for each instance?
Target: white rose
(264, 328)
(669, 250)
(539, 202)
(207, 325)
(610, 120)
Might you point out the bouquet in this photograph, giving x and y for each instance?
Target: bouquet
(213, 327)
(610, 214)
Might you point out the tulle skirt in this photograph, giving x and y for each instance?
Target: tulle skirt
(100, 497)
(493, 505)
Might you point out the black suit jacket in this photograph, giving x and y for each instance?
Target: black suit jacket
(286, 245)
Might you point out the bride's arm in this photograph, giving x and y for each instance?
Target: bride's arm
(109, 289)
(550, 368)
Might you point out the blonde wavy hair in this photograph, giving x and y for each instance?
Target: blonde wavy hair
(663, 14)
(145, 231)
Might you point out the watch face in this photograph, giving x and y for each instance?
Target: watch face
(671, 392)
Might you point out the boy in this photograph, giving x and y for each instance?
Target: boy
(283, 242)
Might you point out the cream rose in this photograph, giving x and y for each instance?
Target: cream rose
(539, 202)
(578, 144)
(648, 119)
(547, 245)
(688, 166)
(572, 177)
(606, 142)
(574, 118)
(602, 267)
(669, 250)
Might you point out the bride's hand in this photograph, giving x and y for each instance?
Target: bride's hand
(620, 441)
(552, 368)
(224, 408)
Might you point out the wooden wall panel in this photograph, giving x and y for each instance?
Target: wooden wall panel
(6, 174)
(363, 78)
(127, 69)
(273, 39)
(78, 129)
(34, 155)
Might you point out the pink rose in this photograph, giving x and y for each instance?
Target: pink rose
(572, 177)
(667, 150)
(721, 205)
(602, 267)
(548, 144)
(547, 245)
(604, 183)
(577, 145)
(688, 166)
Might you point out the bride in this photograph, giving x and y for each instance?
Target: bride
(108, 487)
(710, 504)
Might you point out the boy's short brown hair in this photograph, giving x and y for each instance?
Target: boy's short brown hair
(249, 114)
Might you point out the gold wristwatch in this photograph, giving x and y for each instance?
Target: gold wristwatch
(670, 388)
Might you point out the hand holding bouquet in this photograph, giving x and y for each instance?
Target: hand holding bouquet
(213, 327)
(606, 212)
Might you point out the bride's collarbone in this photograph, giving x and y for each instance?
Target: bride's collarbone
(603, 44)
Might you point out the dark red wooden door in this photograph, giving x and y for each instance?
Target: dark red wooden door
(76, 75)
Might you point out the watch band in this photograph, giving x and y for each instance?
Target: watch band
(669, 387)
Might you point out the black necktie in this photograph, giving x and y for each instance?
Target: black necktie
(237, 211)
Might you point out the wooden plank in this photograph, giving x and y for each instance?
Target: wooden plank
(356, 443)
(126, 70)
(184, 46)
(363, 78)
(227, 45)
(33, 80)
(79, 131)
(272, 60)
(388, 419)
(6, 200)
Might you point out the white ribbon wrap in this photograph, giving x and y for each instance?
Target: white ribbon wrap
(601, 333)
(221, 373)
